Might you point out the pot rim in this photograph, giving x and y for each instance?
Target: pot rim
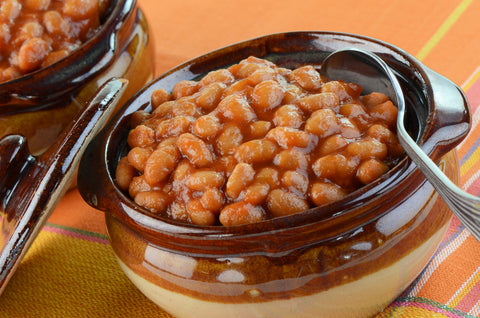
(358, 208)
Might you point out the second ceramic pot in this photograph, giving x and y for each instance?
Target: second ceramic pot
(40, 105)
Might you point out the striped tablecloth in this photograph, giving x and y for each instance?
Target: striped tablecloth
(70, 270)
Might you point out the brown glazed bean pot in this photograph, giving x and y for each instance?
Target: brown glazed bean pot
(39, 105)
(350, 258)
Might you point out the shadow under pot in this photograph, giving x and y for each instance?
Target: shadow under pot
(349, 258)
(40, 104)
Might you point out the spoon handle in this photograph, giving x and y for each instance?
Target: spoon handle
(32, 187)
(464, 205)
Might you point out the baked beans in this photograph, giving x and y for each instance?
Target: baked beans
(37, 33)
(256, 141)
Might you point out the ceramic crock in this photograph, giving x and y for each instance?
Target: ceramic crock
(39, 105)
(350, 258)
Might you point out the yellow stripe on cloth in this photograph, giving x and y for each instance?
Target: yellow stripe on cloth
(409, 312)
(465, 289)
(64, 276)
(471, 80)
(452, 18)
(470, 162)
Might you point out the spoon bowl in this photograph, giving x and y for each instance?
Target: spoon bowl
(374, 75)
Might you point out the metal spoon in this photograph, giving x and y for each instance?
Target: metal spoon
(374, 75)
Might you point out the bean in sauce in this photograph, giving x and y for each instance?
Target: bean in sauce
(256, 141)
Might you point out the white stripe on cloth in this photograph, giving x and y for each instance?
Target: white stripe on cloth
(465, 285)
(438, 260)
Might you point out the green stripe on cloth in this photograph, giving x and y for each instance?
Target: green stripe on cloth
(75, 232)
(402, 302)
